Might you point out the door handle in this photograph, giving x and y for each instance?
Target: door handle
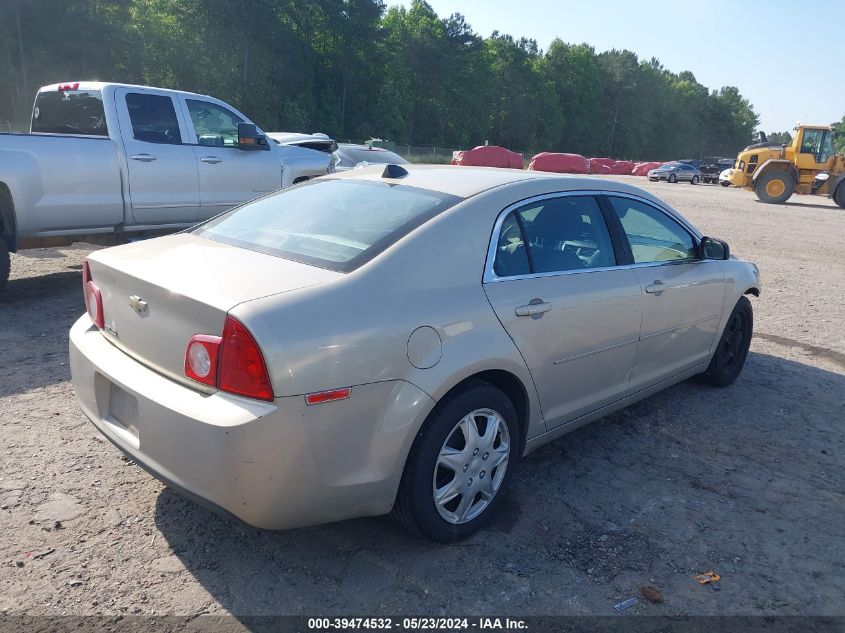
(144, 158)
(535, 307)
(212, 160)
(656, 288)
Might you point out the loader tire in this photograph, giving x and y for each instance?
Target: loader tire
(839, 195)
(775, 187)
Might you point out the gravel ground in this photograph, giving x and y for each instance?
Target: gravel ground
(745, 481)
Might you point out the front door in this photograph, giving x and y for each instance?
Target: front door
(228, 176)
(683, 295)
(161, 166)
(573, 313)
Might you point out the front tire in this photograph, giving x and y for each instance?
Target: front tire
(672, 178)
(694, 180)
(460, 464)
(729, 357)
(775, 187)
(5, 264)
(725, 184)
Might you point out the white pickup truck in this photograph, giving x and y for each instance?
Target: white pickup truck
(107, 161)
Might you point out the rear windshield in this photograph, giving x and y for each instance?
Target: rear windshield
(69, 112)
(334, 224)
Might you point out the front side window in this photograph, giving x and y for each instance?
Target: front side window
(554, 235)
(153, 118)
(812, 141)
(214, 124)
(334, 224)
(653, 235)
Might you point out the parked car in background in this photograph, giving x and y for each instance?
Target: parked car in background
(711, 167)
(725, 177)
(349, 155)
(316, 141)
(106, 161)
(330, 351)
(675, 172)
(304, 163)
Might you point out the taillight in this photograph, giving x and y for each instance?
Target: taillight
(232, 362)
(93, 297)
(201, 358)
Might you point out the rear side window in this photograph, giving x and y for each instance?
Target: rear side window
(554, 235)
(334, 224)
(153, 118)
(78, 112)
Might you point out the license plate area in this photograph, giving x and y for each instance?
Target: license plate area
(118, 409)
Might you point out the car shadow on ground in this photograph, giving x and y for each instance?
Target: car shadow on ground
(37, 313)
(691, 478)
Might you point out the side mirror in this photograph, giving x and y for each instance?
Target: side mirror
(711, 248)
(249, 138)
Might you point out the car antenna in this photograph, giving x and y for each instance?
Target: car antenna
(394, 171)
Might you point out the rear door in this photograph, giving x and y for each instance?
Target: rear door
(161, 166)
(228, 176)
(574, 314)
(683, 295)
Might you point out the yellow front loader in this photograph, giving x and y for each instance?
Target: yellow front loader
(808, 165)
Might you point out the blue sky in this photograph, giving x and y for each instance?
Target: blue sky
(786, 57)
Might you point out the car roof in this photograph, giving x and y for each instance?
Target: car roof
(465, 182)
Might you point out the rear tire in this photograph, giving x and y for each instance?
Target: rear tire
(729, 357)
(839, 195)
(427, 472)
(775, 187)
(5, 264)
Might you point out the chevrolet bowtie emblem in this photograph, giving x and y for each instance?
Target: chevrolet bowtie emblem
(137, 304)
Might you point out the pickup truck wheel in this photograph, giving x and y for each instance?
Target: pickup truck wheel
(5, 264)
(775, 187)
(839, 195)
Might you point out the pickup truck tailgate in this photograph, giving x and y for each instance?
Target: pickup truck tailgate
(158, 293)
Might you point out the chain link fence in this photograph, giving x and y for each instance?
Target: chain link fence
(13, 127)
(424, 153)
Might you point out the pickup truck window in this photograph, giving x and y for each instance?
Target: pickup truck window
(153, 118)
(214, 124)
(78, 112)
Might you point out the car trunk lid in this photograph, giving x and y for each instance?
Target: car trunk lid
(157, 294)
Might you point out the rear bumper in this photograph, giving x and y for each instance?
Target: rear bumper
(273, 465)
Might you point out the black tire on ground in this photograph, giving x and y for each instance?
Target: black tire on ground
(781, 181)
(415, 508)
(725, 184)
(730, 354)
(5, 264)
(839, 195)
(694, 180)
(672, 178)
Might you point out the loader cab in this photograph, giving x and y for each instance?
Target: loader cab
(812, 147)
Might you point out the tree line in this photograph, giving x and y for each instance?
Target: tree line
(356, 69)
